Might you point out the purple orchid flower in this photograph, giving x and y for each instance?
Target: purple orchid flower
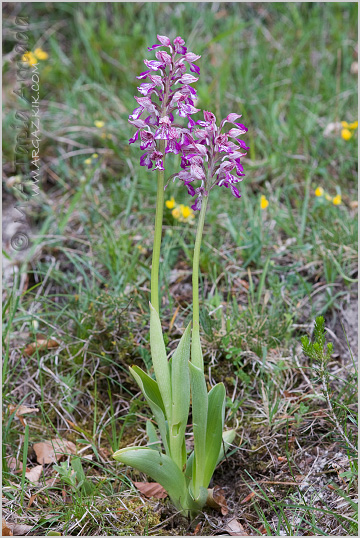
(209, 156)
(169, 91)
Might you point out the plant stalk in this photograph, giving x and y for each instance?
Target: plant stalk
(196, 260)
(157, 234)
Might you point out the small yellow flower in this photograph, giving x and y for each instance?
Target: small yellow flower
(263, 202)
(186, 211)
(94, 156)
(346, 134)
(345, 124)
(176, 213)
(29, 58)
(41, 54)
(99, 124)
(319, 191)
(337, 199)
(170, 204)
(103, 353)
(88, 161)
(141, 248)
(353, 125)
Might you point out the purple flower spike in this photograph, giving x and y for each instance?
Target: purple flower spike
(168, 90)
(210, 157)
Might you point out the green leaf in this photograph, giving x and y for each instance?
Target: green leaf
(215, 424)
(87, 487)
(160, 468)
(152, 394)
(154, 443)
(160, 362)
(199, 413)
(227, 439)
(196, 352)
(180, 382)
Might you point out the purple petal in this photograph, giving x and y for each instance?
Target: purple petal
(153, 47)
(136, 113)
(164, 40)
(195, 69)
(235, 191)
(197, 205)
(242, 144)
(134, 138)
(153, 64)
(144, 74)
(191, 57)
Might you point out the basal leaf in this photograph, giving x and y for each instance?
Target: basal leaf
(160, 468)
(199, 414)
(215, 424)
(152, 394)
(196, 352)
(154, 443)
(180, 398)
(159, 360)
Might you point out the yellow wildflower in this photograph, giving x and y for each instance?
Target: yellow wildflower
(88, 161)
(99, 124)
(176, 213)
(29, 58)
(353, 125)
(319, 191)
(345, 124)
(263, 202)
(170, 204)
(346, 134)
(94, 156)
(186, 211)
(337, 199)
(41, 54)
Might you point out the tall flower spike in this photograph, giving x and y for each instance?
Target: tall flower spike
(210, 157)
(168, 91)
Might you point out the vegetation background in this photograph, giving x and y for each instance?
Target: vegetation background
(76, 301)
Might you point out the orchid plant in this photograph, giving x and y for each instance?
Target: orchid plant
(209, 158)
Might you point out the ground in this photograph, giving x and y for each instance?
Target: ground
(76, 300)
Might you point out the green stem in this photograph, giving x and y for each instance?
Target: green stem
(157, 234)
(195, 275)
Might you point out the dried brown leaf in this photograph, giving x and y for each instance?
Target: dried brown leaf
(6, 531)
(151, 489)
(52, 451)
(22, 409)
(248, 498)
(40, 345)
(234, 528)
(216, 499)
(16, 529)
(13, 464)
(34, 474)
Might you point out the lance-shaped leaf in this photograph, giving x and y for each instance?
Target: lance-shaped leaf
(199, 414)
(196, 352)
(215, 424)
(180, 398)
(160, 468)
(150, 389)
(154, 443)
(159, 360)
(227, 439)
